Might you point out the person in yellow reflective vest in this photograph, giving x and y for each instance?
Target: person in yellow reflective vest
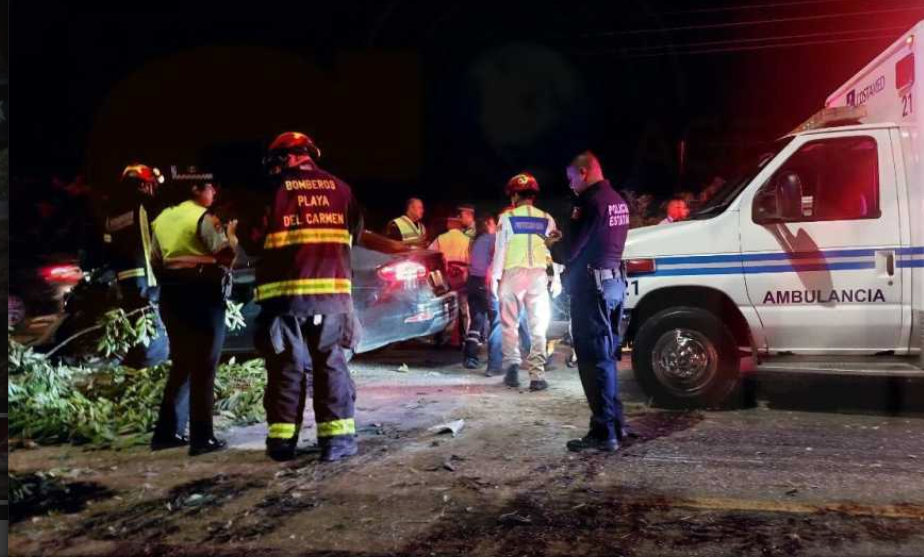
(409, 227)
(192, 253)
(519, 279)
(455, 245)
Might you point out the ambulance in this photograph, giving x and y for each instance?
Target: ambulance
(811, 261)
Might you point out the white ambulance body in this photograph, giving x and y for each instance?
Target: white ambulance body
(813, 261)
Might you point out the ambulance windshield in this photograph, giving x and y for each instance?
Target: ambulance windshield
(724, 197)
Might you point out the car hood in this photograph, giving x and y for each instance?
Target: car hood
(694, 237)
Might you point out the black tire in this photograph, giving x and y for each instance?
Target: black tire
(686, 357)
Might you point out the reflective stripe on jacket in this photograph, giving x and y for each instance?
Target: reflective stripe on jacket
(305, 266)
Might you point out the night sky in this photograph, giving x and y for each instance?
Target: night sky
(442, 99)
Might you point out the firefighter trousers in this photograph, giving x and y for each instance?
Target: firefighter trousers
(302, 353)
(525, 289)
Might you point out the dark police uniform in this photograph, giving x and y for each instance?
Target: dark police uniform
(306, 322)
(592, 254)
(128, 246)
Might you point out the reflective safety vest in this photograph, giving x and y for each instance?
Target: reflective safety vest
(305, 266)
(177, 230)
(526, 226)
(411, 232)
(455, 246)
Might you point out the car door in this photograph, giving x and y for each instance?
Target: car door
(822, 278)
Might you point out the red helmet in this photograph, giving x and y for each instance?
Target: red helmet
(142, 173)
(521, 183)
(294, 142)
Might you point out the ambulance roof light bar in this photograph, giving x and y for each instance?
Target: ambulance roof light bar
(827, 117)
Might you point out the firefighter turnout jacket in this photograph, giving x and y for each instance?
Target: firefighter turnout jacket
(305, 267)
(128, 240)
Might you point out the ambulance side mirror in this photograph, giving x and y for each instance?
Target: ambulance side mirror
(766, 206)
(780, 200)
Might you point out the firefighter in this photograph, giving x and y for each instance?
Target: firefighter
(127, 239)
(303, 288)
(519, 279)
(193, 253)
(409, 227)
(595, 281)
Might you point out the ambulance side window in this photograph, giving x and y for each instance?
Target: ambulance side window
(830, 180)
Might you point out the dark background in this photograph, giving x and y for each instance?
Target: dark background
(445, 100)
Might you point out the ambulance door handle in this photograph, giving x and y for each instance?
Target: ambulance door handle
(885, 263)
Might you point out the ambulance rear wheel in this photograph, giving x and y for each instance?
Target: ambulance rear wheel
(686, 357)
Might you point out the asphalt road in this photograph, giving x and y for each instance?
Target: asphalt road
(815, 467)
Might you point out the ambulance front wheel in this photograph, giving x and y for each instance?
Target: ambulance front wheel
(686, 357)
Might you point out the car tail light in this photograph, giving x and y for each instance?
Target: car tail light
(640, 266)
(404, 271)
(61, 274)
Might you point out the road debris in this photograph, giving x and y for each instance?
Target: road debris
(450, 427)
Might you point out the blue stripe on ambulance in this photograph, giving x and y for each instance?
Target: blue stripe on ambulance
(737, 262)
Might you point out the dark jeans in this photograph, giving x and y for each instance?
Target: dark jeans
(195, 318)
(594, 318)
(295, 347)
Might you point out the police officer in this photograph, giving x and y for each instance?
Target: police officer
(193, 254)
(455, 244)
(592, 254)
(519, 279)
(303, 288)
(409, 227)
(128, 246)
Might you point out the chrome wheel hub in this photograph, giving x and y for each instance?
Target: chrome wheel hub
(684, 361)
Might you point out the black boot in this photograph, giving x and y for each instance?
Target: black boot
(590, 443)
(338, 447)
(512, 377)
(281, 450)
(159, 443)
(539, 385)
(210, 445)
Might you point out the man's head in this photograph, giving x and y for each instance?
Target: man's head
(522, 188)
(414, 209)
(203, 194)
(487, 225)
(142, 178)
(677, 209)
(290, 150)
(584, 171)
(466, 215)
